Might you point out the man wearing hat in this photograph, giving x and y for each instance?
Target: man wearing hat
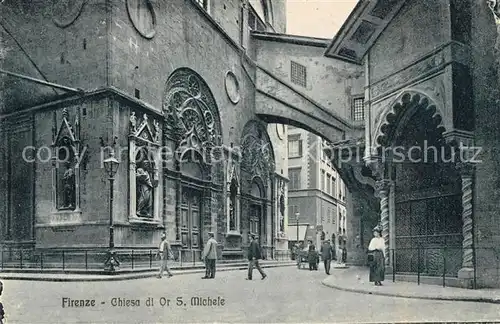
(254, 255)
(164, 253)
(210, 256)
(327, 255)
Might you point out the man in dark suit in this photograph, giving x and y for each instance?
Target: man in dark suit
(254, 255)
(327, 255)
(2, 313)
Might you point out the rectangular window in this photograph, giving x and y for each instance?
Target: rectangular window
(298, 74)
(334, 188)
(358, 109)
(323, 175)
(254, 21)
(294, 147)
(294, 175)
(328, 184)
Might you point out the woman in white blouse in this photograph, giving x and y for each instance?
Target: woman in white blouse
(376, 257)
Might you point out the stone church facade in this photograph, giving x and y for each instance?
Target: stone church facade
(167, 88)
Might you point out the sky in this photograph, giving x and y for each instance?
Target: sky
(317, 18)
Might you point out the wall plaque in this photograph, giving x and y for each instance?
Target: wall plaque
(143, 17)
(232, 87)
(65, 12)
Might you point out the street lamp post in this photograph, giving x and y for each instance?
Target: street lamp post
(111, 166)
(297, 214)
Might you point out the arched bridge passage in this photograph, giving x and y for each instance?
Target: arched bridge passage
(330, 134)
(352, 173)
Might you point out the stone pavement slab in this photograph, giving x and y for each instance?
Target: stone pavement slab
(79, 275)
(355, 279)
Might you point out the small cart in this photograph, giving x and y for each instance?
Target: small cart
(302, 259)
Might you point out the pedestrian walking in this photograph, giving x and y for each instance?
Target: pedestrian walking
(254, 255)
(376, 257)
(210, 256)
(2, 313)
(313, 258)
(327, 253)
(164, 254)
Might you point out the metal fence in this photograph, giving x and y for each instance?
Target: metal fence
(443, 262)
(93, 259)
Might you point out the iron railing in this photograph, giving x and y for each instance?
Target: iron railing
(443, 262)
(93, 259)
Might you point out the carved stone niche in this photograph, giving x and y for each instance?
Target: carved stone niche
(233, 199)
(144, 165)
(281, 209)
(66, 159)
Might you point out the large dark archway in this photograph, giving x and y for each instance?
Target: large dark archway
(426, 192)
(257, 184)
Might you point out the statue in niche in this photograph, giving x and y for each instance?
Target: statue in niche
(232, 204)
(282, 213)
(68, 181)
(144, 193)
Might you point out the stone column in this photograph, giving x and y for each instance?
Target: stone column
(466, 173)
(382, 191)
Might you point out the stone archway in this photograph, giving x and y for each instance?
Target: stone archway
(192, 128)
(419, 189)
(257, 184)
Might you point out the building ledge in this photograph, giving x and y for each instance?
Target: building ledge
(291, 39)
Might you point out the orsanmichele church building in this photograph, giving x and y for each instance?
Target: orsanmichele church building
(191, 94)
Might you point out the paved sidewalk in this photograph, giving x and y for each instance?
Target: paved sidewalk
(355, 279)
(75, 275)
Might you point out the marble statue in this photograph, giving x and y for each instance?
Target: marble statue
(68, 180)
(144, 193)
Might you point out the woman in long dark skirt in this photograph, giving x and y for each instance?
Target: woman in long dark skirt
(377, 263)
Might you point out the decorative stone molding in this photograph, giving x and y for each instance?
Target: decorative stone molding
(281, 209)
(144, 175)
(192, 123)
(137, 10)
(376, 165)
(463, 142)
(66, 148)
(396, 118)
(466, 172)
(494, 6)
(66, 12)
(233, 197)
(191, 114)
(258, 153)
(382, 192)
(427, 66)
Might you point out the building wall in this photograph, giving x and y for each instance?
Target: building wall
(486, 191)
(94, 119)
(278, 135)
(316, 204)
(329, 82)
(74, 56)
(427, 32)
(105, 47)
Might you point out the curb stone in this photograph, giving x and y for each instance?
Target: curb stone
(491, 300)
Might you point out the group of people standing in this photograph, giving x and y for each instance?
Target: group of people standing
(209, 256)
(376, 258)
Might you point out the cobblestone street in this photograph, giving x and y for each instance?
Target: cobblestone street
(287, 295)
